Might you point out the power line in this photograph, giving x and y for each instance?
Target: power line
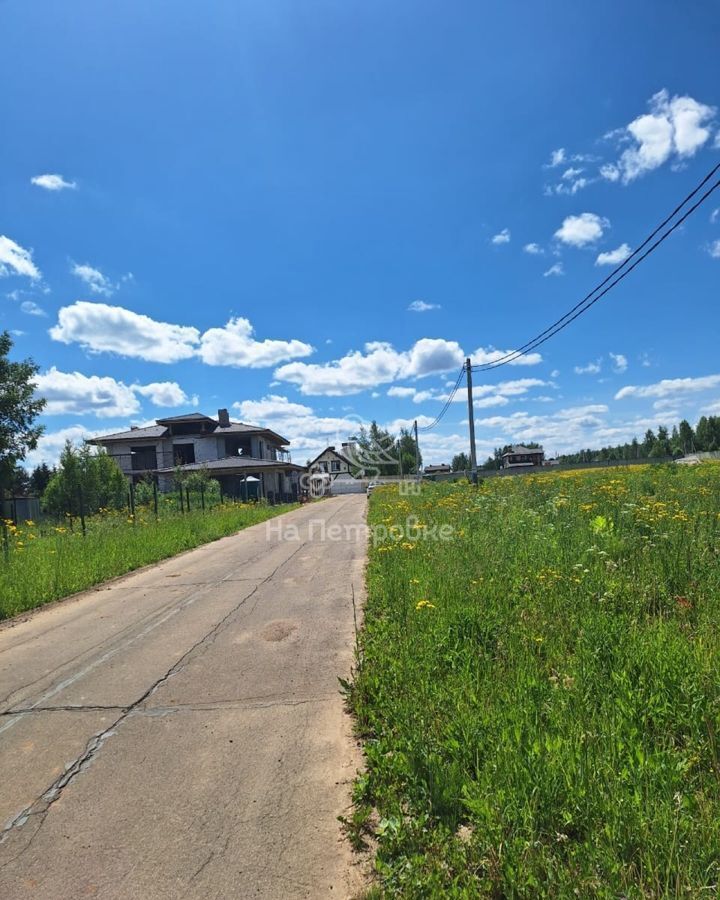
(449, 399)
(608, 283)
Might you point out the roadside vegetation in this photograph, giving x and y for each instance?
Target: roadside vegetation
(44, 561)
(540, 694)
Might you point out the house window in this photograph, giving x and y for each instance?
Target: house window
(183, 454)
(142, 458)
(335, 465)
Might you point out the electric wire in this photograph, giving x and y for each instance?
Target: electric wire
(606, 285)
(585, 304)
(448, 401)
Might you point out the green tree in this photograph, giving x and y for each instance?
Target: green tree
(19, 408)
(461, 462)
(92, 479)
(687, 436)
(39, 478)
(378, 451)
(406, 444)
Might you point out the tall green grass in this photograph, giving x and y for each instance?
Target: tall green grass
(42, 564)
(540, 694)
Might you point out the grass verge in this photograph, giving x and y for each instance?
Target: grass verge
(539, 693)
(38, 565)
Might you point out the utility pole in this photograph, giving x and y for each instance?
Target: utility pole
(399, 449)
(417, 452)
(471, 421)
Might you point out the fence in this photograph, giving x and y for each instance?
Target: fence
(20, 509)
(563, 467)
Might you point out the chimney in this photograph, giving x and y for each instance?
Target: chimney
(223, 418)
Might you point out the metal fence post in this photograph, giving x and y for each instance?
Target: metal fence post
(155, 497)
(81, 508)
(187, 498)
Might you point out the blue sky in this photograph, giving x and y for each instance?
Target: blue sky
(309, 213)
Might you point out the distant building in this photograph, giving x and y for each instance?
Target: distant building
(330, 462)
(438, 469)
(237, 455)
(522, 457)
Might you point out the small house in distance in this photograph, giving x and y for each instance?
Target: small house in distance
(518, 457)
(437, 469)
(330, 462)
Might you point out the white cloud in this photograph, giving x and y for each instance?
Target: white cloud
(484, 355)
(557, 158)
(619, 362)
(52, 182)
(272, 407)
(502, 237)
(398, 391)
(492, 400)
(234, 345)
(51, 444)
(555, 269)
(71, 393)
(715, 215)
(592, 368)
(670, 387)
(511, 388)
(16, 260)
(614, 257)
(533, 249)
(483, 394)
(422, 306)
(94, 279)
(567, 430)
(675, 128)
(30, 308)
(714, 249)
(378, 364)
(100, 328)
(578, 231)
(610, 172)
(165, 393)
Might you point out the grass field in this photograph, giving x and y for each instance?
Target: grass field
(39, 564)
(540, 692)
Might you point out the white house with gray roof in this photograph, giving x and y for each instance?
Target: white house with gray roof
(228, 451)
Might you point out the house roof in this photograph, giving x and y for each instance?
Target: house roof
(332, 450)
(134, 434)
(188, 417)
(519, 448)
(161, 430)
(233, 463)
(242, 428)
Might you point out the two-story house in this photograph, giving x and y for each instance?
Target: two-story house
(331, 462)
(231, 452)
(522, 457)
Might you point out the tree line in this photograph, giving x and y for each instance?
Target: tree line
(681, 440)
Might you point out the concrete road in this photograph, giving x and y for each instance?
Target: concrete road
(179, 732)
